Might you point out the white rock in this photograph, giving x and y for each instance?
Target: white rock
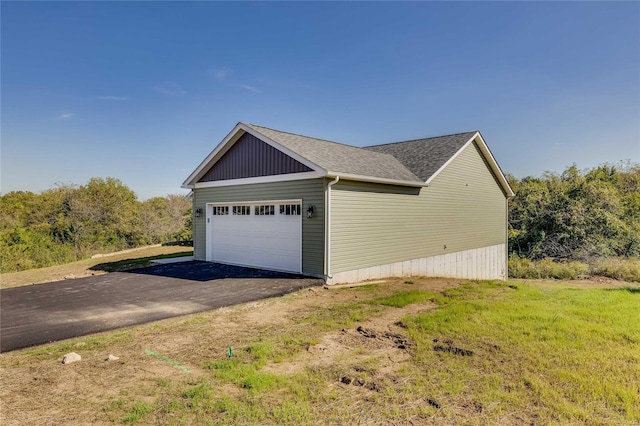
(71, 357)
(112, 358)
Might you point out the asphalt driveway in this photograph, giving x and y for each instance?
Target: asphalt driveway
(36, 314)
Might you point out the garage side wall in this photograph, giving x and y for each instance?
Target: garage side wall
(457, 225)
(311, 191)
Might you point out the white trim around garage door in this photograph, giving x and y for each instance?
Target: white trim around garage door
(209, 229)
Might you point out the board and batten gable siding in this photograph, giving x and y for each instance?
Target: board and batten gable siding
(241, 161)
(463, 208)
(310, 191)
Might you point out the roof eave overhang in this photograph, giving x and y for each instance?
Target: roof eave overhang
(491, 161)
(484, 148)
(374, 179)
(226, 143)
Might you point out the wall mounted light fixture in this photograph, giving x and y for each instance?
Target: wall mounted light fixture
(310, 211)
(198, 212)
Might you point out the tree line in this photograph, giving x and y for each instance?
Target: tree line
(70, 222)
(577, 214)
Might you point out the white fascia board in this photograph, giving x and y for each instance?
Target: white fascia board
(494, 165)
(189, 182)
(477, 137)
(260, 179)
(374, 179)
(231, 138)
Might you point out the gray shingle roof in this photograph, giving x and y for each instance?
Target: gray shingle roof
(424, 157)
(339, 158)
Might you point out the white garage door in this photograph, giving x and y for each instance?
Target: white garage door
(261, 234)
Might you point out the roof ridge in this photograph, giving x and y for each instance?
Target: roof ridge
(305, 136)
(421, 139)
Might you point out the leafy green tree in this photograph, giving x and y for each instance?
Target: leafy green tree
(166, 219)
(577, 214)
(70, 222)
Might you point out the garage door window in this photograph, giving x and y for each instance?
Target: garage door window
(290, 209)
(221, 210)
(241, 210)
(268, 210)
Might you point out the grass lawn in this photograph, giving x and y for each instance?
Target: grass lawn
(82, 268)
(426, 351)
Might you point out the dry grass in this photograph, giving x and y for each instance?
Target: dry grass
(87, 267)
(354, 355)
(618, 268)
(626, 269)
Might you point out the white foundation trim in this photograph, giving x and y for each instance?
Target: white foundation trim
(484, 263)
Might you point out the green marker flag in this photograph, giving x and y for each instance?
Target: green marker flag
(229, 352)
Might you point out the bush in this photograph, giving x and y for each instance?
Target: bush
(577, 214)
(547, 268)
(619, 268)
(69, 223)
(627, 269)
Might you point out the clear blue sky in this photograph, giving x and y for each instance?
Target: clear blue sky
(144, 91)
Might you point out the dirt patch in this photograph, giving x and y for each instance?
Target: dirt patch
(380, 339)
(453, 350)
(400, 341)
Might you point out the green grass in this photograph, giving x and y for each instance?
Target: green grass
(340, 315)
(535, 354)
(568, 355)
(137, 412)
(404, 298)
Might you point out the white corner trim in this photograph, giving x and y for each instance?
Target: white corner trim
(260, 179)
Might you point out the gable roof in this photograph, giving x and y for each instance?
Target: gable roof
(339, 159)
(424, 157)
(410, 163)
(429, 156)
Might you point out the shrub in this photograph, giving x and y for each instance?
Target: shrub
(547, 268)
(620, 268)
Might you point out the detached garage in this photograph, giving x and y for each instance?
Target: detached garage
(276, 200)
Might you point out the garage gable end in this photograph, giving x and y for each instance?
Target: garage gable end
(250, 157)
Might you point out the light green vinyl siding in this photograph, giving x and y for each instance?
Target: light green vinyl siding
(372, 224)
(311, 191)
